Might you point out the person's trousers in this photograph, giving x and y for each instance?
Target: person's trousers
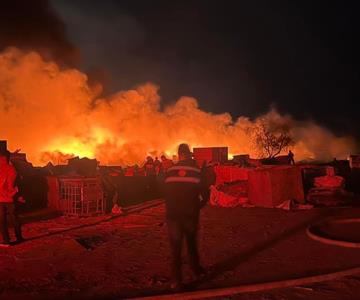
(178, 231)
(8, 214)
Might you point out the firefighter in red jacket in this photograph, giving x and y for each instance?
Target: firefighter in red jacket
(183, 188)
(7, 192)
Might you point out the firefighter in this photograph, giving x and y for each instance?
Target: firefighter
(8, 190)
(183, 189)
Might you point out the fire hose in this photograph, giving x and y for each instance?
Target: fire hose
(315, 234)
(258, 287)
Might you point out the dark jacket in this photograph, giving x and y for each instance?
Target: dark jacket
(184, 190)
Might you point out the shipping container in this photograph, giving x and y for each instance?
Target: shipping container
(210, 154)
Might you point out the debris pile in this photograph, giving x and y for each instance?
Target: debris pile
(230, 194)
(328, 190)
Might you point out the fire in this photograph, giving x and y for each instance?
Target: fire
(71, 146)
(52, 114)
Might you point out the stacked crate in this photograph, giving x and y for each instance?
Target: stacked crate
(76, 196)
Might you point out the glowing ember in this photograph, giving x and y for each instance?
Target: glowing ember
(53, 114)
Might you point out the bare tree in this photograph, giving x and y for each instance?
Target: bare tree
(271, 138)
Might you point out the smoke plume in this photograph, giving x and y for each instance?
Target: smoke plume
(53, 113)
(34, 25)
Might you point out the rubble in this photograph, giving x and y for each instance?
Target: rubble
(328, 189)
(229, 194)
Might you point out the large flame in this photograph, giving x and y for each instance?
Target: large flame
(53, 114)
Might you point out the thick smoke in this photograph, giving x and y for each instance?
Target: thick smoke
(34, 25)
(53, 113)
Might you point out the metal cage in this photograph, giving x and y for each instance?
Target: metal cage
(81, 196)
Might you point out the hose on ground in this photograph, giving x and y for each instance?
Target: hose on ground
(258, 287)
(316, 235)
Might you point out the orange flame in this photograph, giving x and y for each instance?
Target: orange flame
(53, 114)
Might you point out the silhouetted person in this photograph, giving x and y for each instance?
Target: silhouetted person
(157, 165)
(183, 188)
(111, 189)
(150, 172)
(7, 192)
(291, 158)
(165, 163)
(149, 166)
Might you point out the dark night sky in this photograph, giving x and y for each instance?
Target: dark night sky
(237, 57)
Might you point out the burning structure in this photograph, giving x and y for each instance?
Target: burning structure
(55, 114)
(64, 117)
(67, 125)
(240, 170)
(83, 187)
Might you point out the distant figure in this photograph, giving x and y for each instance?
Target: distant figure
(209, 175)
(8, 190)
(136, 170)
(141, 171)
(149, 166)
(185, 194)
(165, 163)
(111, 191)
(157, 165)
(291, 158)
(150, 172)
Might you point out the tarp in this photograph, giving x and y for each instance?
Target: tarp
(271, 186)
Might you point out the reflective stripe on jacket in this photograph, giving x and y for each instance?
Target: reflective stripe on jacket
(183, 173)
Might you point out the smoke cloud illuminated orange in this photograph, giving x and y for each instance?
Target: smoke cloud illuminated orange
(53, 114)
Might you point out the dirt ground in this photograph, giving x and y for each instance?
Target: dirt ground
(118, 257)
